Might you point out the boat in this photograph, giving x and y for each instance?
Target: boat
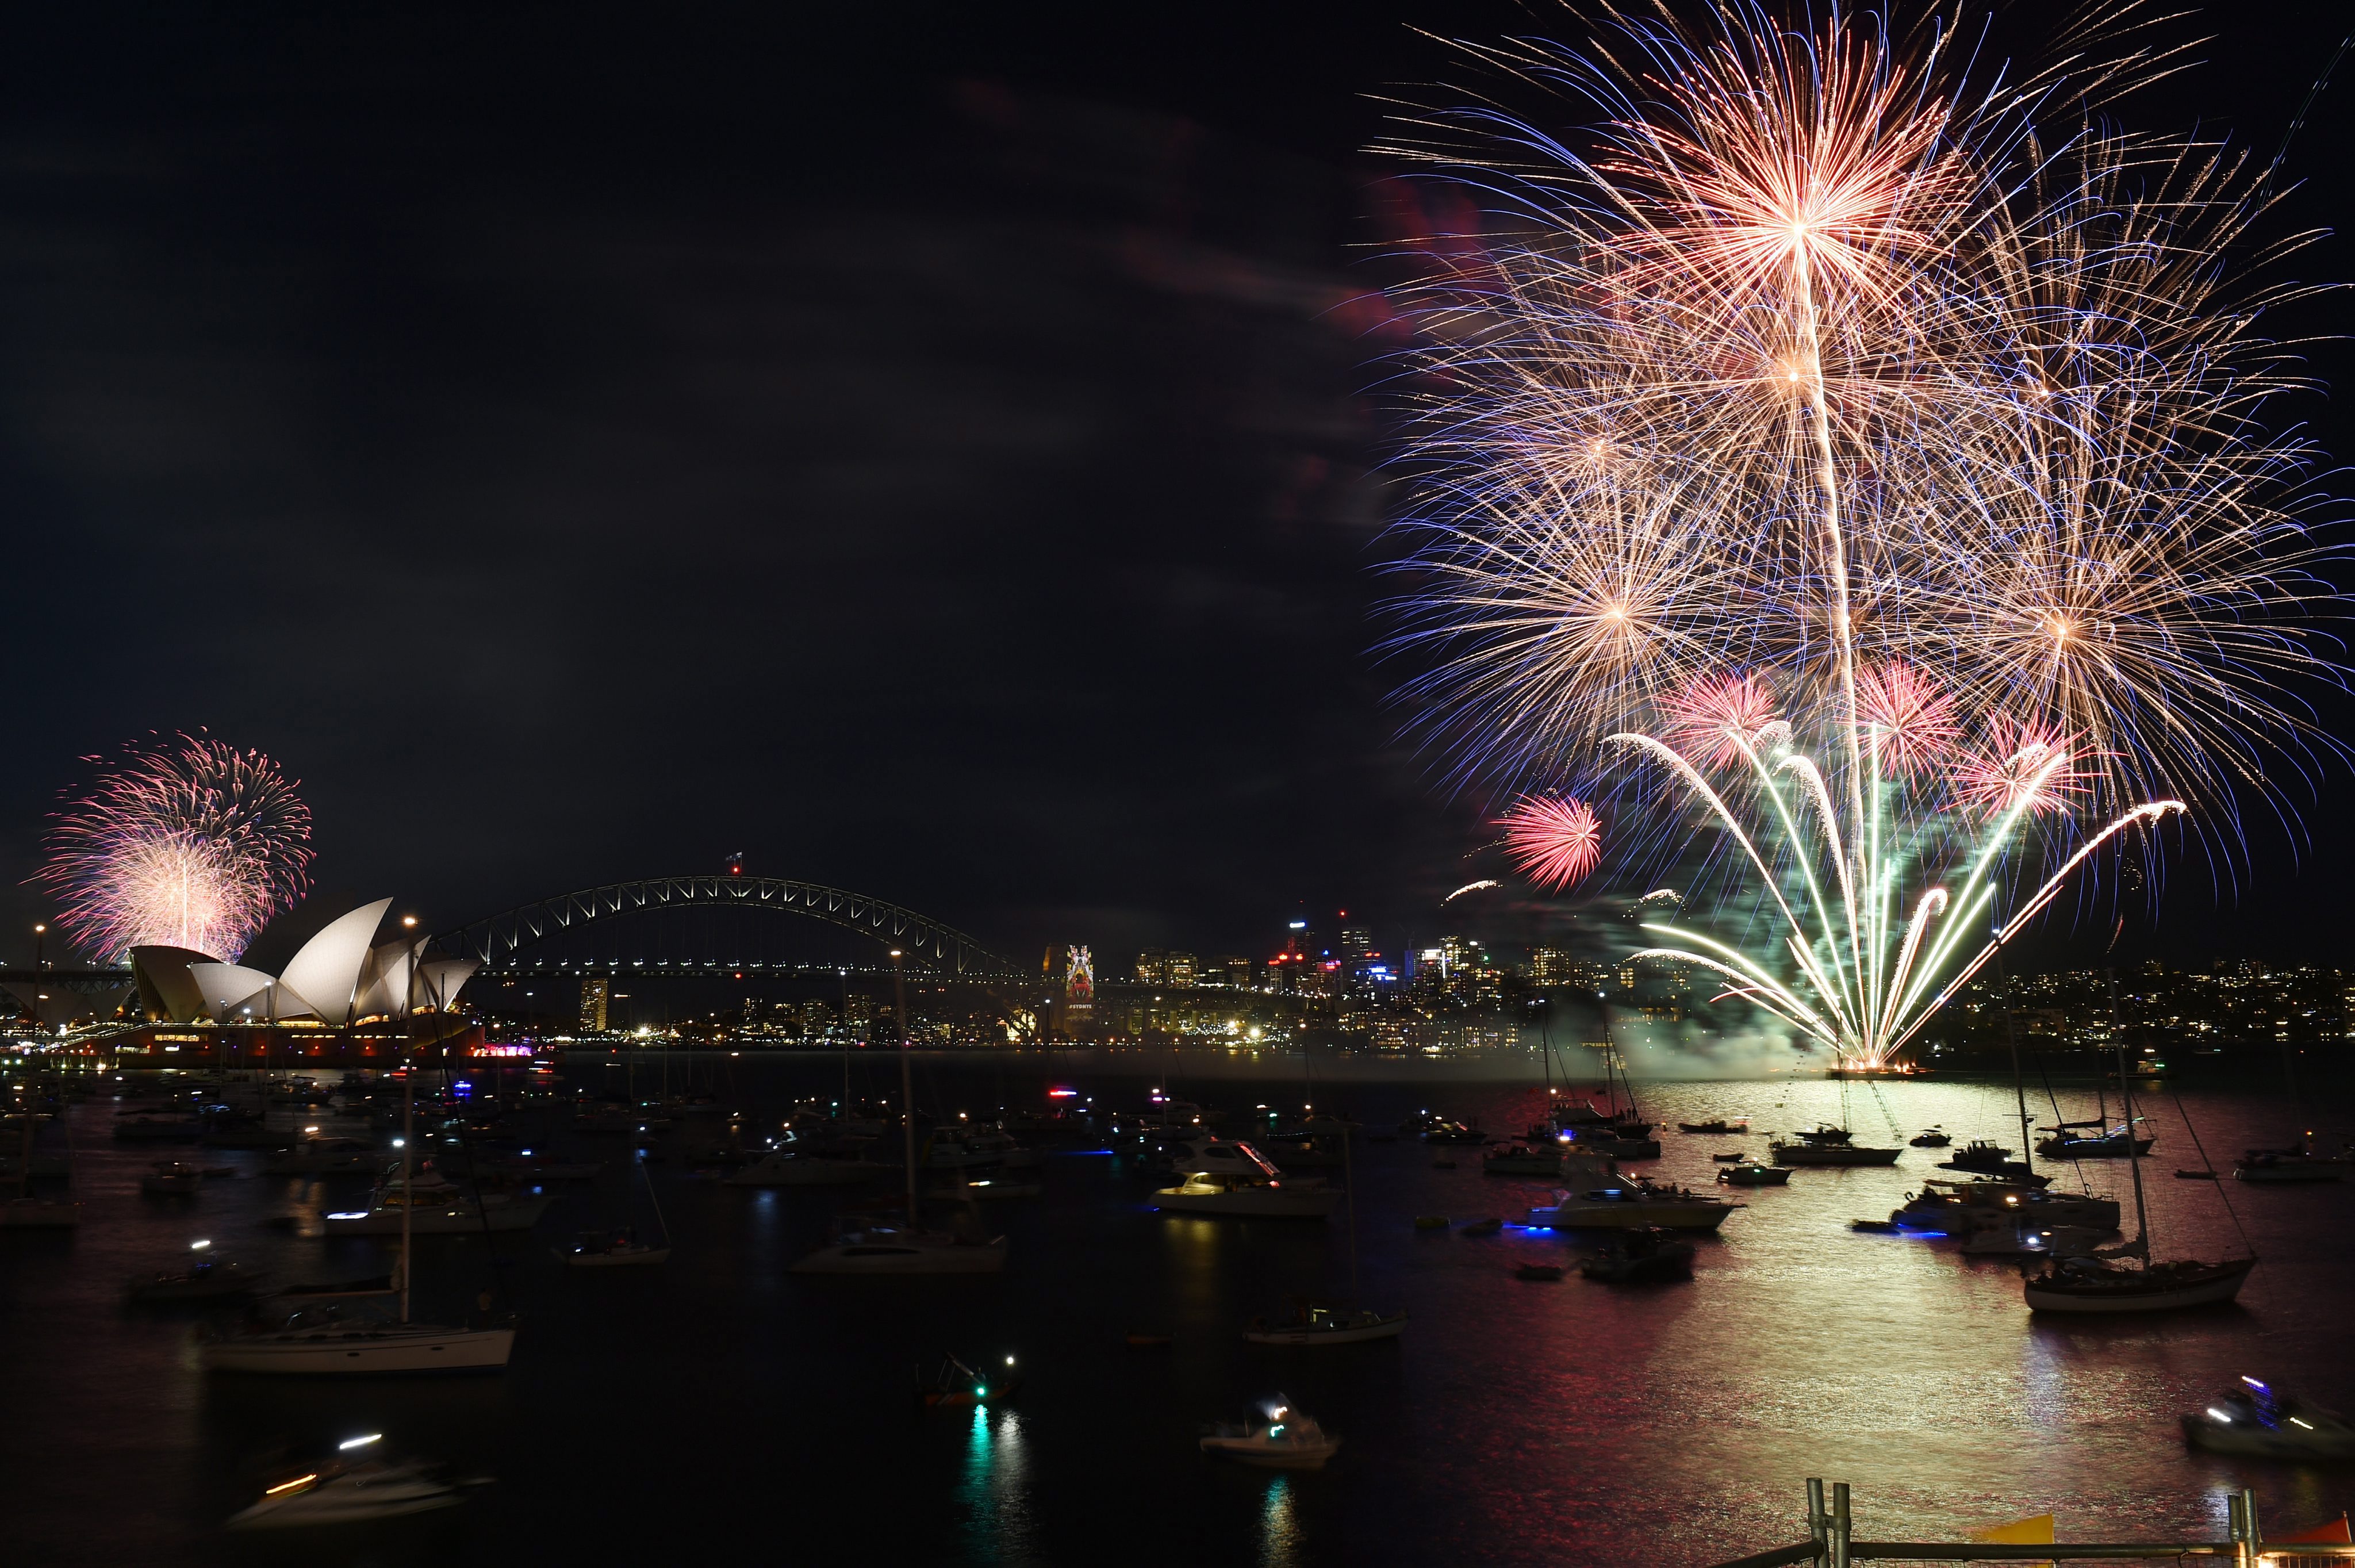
(170, 1179)
(1717, 1124)
(2255, 1423)
(1315, 1324)
(1985, 1155)
(1632, 1205)
(1489, 1227)
(960, 1387)
(352, 1493)
(1645, 1255)
(1735, 1157)
(1285, 1441)
(803, 1168)
(1538, 1274)
(322, 1156)
(2127, 1278)
(2018, 1238)
(1238, 1181)
(1931, 1138)
(610, 1249)
(1812, 1150)
(890, 1249)
(205, 1279)
(987, 1188)
(2110, 1145)
(1754, 1175)
(2283, 1165)
(1959, 1207)
(1453, 1133)
(1522, 1159)
(1877, 1227)
(453, 1211)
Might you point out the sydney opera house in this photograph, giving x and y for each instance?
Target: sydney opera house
(343, 995)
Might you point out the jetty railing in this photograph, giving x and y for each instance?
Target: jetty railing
(1831, 1543)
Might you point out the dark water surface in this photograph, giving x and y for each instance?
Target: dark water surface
(721, 1409)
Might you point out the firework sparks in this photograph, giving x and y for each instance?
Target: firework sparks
(190, 843)
(2024, 768)
(1720, 717)
(1554, 843)
(1912, 722)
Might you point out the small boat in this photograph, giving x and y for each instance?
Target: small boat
(960, 1387)
(1877, 1227)
(1930, 1137)
(2115, 1143)
(1755, 1175)
(344, 1493)
(171, 1179)
(2254, 1422)
(1431, 1221)
(1453, 1133)
(1487, 1227)
(1282, 1442)
(1247, 1186)
(1540, 1272)
(886, 1249)
(1647, 1256)
(1715, 1124)
(2195, 1176)
(205, 1279)
(610, 1248)
(1312, 1324)
(1736, 1157)
(2283, 1165)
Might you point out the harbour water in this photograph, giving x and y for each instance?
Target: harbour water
(721, 1409)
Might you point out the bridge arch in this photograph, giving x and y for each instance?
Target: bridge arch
(495, 940)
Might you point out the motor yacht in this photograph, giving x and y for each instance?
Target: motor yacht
(1632, 1204)
(2067, 1143)
(2254, 1422)
(610, 1249)
(1828, 1145)
(1313, 1324)
(891, 1249)
(1221, 1178)
(1284, 1441)
(804, 1168)
(171, 1179)
(1751, 1174)
(352, 1493)
(1960, 1207)
(1716, 1125)
(323, 1156)
(1936, 1137)
(2014, 1237)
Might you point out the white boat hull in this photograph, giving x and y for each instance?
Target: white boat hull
(408, 1348)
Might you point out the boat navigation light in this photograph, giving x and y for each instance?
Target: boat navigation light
(2294, 1420)
(290, 1486)
(399, 1142)
(2220, 1415)
(198, 1246)
(2254, 1383)
(350, 1442)
(1010, 1361)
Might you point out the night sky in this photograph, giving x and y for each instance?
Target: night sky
(922, 449)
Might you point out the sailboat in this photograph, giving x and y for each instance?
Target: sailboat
(883, 1248)
(1322, 1323)
(1613, 1131)
(363, 1328)
(622, 1248)
(2106, 1282)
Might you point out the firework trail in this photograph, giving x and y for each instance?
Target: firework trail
(1823, 373)
(187, 843)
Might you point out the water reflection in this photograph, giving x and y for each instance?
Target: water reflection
(995, 1490)
(1279, 1545)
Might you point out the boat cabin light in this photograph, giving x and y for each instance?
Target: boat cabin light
(2294, 1420)
(2220, 1415)
(2254, 1383)
(348, 1444)
(352, 1214)
(198, 1246)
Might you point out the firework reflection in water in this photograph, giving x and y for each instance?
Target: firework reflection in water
(187, 843)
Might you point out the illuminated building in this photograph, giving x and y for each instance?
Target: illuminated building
(1152, 967)
(1357, 944)
(1239, 973)
(1179, 969)
(1548, 966)
(596, 1000)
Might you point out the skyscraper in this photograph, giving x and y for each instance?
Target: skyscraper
(596, 999)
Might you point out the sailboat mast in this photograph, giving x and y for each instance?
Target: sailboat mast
(2011, 1038)
(408, 1148)
(2125, 1109)
(907, 1082)
(1350, 1196)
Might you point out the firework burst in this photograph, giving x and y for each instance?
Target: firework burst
(1553, 842)
(187, 843)
(1927, 407)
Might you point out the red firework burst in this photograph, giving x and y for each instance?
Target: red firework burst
(1716, 718)
(2023, 764)
(1915, 719)
(189, 843)
(1553, 842)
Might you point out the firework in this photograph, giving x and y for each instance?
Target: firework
(1553, 842)
(1826, 381)
(187, 843)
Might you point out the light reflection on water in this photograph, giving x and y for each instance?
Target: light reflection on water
(1557, 1424)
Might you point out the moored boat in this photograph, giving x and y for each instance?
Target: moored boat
(1285, 1441)
(1315, 1324)
(1751, 1174)
(1632, 1205)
